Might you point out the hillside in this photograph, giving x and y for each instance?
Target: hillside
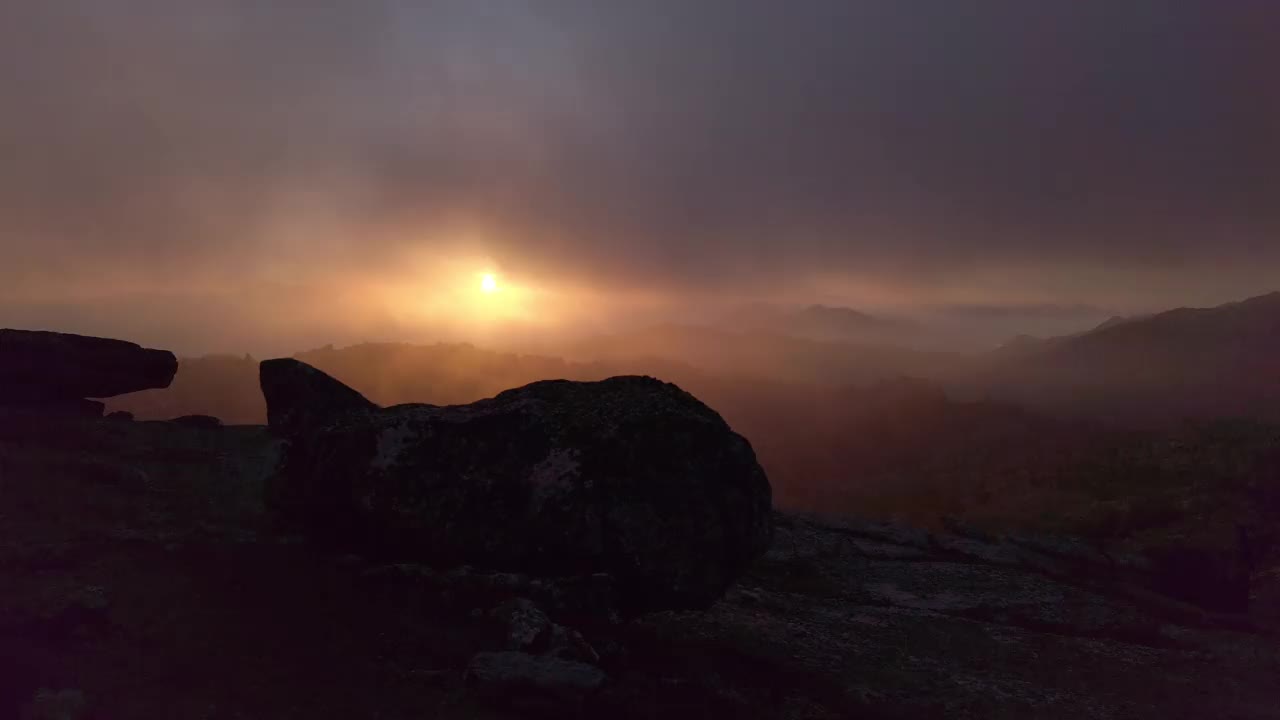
(773, 354)
(824, 323)
(1184, 363)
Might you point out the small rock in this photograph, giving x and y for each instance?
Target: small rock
(568, 644)
(60, 705)
(613, 654)
(526, 624)
(350, 560)
(120, 415)
(512, 676)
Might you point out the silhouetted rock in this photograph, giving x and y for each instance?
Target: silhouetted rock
(628, 476)
(48, 366)
(204, 422)
(121, 415)
(298, 394)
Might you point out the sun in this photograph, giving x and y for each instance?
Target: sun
(488, 283)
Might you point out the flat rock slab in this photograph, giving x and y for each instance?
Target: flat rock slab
(958, 635)
(38, 366)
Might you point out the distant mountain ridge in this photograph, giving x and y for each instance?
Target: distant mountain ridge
(1022, 345)
(766, 354)
(1187, 362)
(970, 328)
(827, 323)
(1184, 363)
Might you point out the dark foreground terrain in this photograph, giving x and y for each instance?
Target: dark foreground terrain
(141, 578)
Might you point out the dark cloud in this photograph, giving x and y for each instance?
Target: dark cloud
(1085, 151)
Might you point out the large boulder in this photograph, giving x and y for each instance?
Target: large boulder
(298, 394)
(52, 368)
(629, 476)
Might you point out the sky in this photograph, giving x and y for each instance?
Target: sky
(240, 175)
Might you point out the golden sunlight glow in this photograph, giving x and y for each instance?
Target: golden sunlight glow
(466, 296)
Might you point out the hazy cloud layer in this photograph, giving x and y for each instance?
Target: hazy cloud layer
(1119, 154)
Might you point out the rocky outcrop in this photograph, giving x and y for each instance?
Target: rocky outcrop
(55, 372)
(298, 394)
(629, 476)
(58, 365)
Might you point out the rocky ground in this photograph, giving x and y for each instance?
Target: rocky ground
(141, 578)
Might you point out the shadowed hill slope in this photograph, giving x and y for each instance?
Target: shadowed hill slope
(1203, 362)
